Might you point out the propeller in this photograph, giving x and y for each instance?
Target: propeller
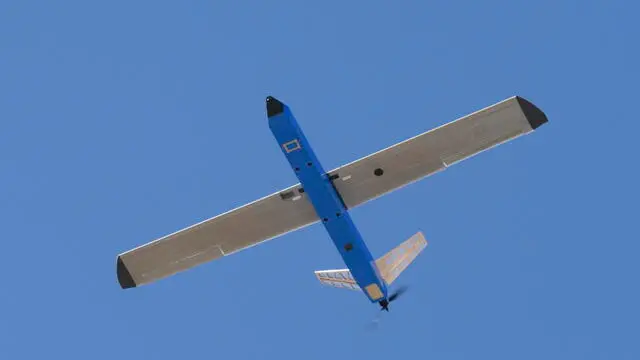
(396, 294)
(385, 303)
(375, 323)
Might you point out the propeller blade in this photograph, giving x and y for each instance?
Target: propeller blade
(397, 294)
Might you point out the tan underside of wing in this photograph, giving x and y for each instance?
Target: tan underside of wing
(434, 150)
(222, 235)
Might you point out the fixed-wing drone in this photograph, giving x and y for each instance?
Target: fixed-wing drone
(328, 196)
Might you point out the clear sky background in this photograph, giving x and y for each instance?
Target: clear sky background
(123, 121)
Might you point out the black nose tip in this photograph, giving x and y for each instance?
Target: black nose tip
(274, 106)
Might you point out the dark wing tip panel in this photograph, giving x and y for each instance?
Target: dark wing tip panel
(124, 277)
(274, 106)
(534, 115)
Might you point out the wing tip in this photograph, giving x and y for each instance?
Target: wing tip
(534, 115)
(124, 276)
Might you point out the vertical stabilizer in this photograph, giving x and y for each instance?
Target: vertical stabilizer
(396, 261)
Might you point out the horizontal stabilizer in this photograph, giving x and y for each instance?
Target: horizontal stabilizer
(396, 261)
(337, 278)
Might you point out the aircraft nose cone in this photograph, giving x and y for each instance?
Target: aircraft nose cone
(274, 106)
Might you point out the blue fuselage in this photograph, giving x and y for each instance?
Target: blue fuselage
(328, 204)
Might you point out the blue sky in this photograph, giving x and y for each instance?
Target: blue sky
(123, 121)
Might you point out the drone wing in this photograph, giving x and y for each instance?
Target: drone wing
(243, 227)
(435, 150)
(357, 183)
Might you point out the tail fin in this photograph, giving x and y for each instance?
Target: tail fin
(390, 265)
(337, 278)
(396, 261)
